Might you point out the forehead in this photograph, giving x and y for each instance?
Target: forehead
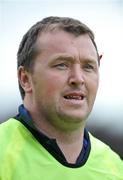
(64, 42)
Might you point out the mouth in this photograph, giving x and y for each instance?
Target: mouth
(75, 96)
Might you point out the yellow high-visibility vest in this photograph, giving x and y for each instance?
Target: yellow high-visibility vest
(22, 157)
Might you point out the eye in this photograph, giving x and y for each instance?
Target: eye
(89, 67)
(61, 66)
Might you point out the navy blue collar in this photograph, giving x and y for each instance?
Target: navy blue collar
(25, 116)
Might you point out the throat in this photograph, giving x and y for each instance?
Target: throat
(71, 149)
(71, 152)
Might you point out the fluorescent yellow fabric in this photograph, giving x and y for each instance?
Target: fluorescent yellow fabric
(23, 158)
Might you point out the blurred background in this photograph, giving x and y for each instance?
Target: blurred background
(105, 18)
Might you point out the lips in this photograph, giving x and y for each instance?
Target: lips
(74, 96)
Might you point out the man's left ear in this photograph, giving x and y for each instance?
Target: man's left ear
(100, 56)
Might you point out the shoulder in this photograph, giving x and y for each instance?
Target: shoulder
(12, 130)
(105, 158)
(14, 137)
(9, 126)
(100, 148)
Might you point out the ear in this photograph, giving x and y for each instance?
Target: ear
(100, 56)
(24, 79)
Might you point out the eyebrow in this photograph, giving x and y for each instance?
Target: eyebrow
(69, 58)
(62, 57)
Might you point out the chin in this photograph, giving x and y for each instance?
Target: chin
(74, 117)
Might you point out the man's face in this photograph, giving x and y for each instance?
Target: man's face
(65, 78)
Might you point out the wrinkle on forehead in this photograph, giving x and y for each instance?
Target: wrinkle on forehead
(63, 42)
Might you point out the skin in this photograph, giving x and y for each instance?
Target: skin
(61, 90)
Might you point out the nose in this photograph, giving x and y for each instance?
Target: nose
(76, 76)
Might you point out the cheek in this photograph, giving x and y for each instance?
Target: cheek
(51, 88)
(52, 85)
(93, 86)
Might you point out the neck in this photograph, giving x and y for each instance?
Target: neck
(70, 142)
(72, 146)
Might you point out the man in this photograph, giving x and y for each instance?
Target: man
(58, 73)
